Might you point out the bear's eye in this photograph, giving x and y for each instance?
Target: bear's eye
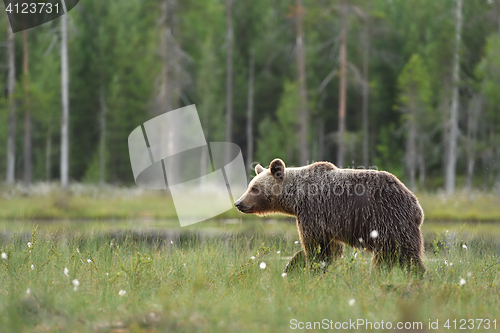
(255, 189)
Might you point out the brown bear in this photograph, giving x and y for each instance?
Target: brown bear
(366, 209)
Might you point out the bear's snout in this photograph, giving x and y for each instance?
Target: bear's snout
(237, 204)
(241, 207)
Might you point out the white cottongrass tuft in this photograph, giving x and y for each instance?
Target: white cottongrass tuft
(252, 257)
(122, 292)
(464, 246)
(32, 266)
(78, 250)
(469, 274)
(107, 274)
(66, 271)
(278, 252)
(283, 275)
(462, 282)
(374, 234)
(323, 264)
(89, 261)
(76, 283)
(28, 291)
(29, 244)
(4, 256)
(262, 265)
(446, 262)
(296, 242)
(360, 240)
(351, 302)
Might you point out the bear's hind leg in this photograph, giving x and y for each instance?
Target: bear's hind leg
(383, 259)
(335, 250)
(414, 264)
(411, 255)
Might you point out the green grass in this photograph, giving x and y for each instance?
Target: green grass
(462, 206)
(48, 202)
(207, 282)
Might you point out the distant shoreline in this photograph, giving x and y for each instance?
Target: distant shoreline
(82, 202)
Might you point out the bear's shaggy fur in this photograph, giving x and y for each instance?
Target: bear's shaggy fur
(366, 209)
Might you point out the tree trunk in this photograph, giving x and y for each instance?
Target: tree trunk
(169, 85)
(485, 157)
(11, 139)
(472, 122)
(421, 170)
(27, 116)
(321, 146)
(342, 87)
(498, 21)
(173, 64)
(65, 104)
(366, 52)
(470, 169)
(453, 121)
(301, 68)
(164, 46)
(48, 154)
(102, 141)
(165, 97)
(497, 184)
(411, 161)
(229, 76)
(251, 72)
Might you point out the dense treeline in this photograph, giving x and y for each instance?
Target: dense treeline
(422, 83)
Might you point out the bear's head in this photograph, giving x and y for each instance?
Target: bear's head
(265, 191)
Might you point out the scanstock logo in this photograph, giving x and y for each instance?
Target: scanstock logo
(170, 151)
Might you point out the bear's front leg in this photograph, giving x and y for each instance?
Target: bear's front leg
(297, 261)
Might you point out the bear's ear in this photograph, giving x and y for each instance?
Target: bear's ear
(258, 169)
(277, 168)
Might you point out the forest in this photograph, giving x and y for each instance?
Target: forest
(407, 86)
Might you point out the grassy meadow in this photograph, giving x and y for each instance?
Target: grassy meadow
(116, 260)
(64, 278)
